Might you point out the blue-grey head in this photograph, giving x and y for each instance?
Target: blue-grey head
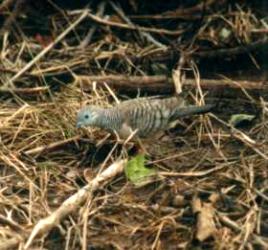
(89, 116)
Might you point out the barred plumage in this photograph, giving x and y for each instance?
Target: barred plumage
(146, 115)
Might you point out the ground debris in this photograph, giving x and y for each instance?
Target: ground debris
(211, 185)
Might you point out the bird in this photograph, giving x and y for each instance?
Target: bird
(144, 116)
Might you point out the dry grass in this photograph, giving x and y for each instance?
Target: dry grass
(204, 164)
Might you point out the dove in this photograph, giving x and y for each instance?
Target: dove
(144, 116)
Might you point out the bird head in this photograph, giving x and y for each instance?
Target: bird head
(88, 116)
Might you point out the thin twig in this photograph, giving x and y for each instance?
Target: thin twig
(132, 27)
(30, 91)
(92, 30)
(144, 34)
(51, 146)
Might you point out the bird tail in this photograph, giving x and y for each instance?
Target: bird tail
(193, 110)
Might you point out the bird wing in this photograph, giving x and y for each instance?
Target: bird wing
(148, 115)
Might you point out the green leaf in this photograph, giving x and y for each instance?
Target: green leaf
(238, 119)
(136, 171)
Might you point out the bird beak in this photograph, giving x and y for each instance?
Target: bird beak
(78, 125)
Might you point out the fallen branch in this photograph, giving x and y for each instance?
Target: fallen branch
(164, 84)
(73, 203)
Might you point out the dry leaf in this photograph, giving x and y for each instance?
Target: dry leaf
(205, 226)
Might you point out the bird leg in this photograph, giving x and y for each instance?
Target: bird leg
(142, 149)
(118, 139)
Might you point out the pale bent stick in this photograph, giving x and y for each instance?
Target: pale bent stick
(75, 201)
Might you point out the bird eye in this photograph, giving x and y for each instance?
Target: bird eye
(86, 116)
